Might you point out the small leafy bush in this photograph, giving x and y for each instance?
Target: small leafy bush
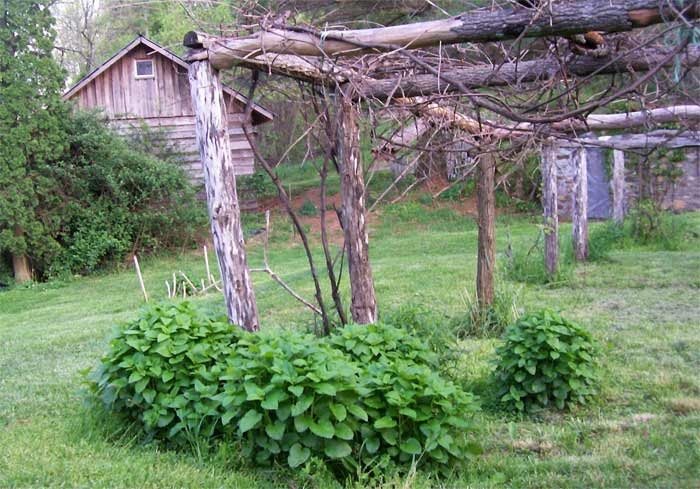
(308, 209)
(546, 359)
(527, 265)
(367, 393)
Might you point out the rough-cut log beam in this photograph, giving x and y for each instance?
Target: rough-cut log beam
(481, 76)
(558, 19)
(661, 138)
(580, 212)
(550, 206)
(363, 306)
(618, 186)
(222, 200)
(486, 254)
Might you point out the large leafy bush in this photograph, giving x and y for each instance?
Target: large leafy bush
(103, 197)
(366, 394)
(546, 359)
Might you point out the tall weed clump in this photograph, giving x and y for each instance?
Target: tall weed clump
(492, 320)
(368, 394)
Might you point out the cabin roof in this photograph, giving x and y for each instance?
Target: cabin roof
(260, 113)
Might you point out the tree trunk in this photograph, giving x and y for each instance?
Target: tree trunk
(580, 212)
(222, 199)
(20, 262)
(618, 186)
(519, 72)
(550, 206)
(352, 190)
(484, 25)
(486, 257)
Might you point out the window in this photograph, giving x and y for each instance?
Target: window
(144, 68)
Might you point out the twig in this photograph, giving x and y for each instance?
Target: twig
(273, 275)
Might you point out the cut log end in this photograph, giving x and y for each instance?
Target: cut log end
(192, 40)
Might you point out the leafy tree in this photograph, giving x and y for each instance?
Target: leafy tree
(31, 112)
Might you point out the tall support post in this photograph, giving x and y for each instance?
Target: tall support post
(486, 203)
(618, 186)
(222, 199)
(550, 206)
(580, 211)
(363, 307)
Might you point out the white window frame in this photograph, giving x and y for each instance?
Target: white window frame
(143, 77)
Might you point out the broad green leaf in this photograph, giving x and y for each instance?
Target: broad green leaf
(298, 455)
(411, 446)
(337, 449)
(253, 392)
(372, 445)
(302, 422)
(250, 420)
(342, 430)
(323, 428)
(338, 411)
(385, 422)
(358, 412)
(297, 390)
(275, 430)
(325, 388)
(302, 405)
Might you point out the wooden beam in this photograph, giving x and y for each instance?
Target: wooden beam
(484, 25)
(550, 206)
(580, 211)
(661, 138)
(222, 199)
(522, 72)
(363, 306)
(486, 254)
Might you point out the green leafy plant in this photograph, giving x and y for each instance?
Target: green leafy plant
(546, 360)
(308, 209)
(364, 394)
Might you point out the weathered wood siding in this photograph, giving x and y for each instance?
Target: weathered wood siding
(162, 103)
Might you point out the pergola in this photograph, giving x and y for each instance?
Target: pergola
(309, 55)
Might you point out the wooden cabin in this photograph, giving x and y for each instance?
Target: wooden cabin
(145, 84)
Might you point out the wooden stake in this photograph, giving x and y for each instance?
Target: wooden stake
(486, 256)
(580, 212)
(618, 186)
(550, 206)
(138, 274)
(222, 198)
(210, 278)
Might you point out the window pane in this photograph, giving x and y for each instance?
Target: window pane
(144, 68)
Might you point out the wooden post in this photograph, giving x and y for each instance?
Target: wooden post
(222, 199)
(486, 256)
(580, 211)
(618, 186)
(550, 206)
(363, 307)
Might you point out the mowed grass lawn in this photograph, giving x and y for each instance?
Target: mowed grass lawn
(643, 306)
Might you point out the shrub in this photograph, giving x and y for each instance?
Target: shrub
(364, 394)
(308, 209)
(104, 198)
(546, 359)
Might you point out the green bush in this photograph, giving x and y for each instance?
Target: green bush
(308, 209)
(546, 359)
(364, 394)
(104, 198)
